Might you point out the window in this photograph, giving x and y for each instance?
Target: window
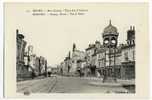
(103, 62)
(133, 41)
(126, 56)
(133, 55)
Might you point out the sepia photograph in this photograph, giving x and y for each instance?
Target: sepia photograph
(76, 48)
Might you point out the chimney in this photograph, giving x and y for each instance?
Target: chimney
(133, 28)
(17, 31)
(130, 27)
(69, 54)
(74, 47)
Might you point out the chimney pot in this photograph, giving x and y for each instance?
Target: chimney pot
(133, 27)
(17, 31)
(130, 27)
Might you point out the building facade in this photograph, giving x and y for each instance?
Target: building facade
(77, 57)
(112, 60)
(128, 56)
(107, 59)
(43, 65)
(37, 66)
(21, 69)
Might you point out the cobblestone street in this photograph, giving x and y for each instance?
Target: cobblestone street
(62, 84)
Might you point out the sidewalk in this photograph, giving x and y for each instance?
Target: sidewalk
(119, 81)
(121, 86)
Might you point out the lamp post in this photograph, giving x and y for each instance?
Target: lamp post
(115, 64)
(114, 44)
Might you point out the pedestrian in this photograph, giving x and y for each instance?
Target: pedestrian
(79, 72)
(49, 73)
(33, 75)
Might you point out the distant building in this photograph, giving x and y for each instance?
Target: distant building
(32, 62)
(67, 66)
(71, 64)
(100, 61)
(42, 65)
(37, 66)
(31, 59)
(82, 64)
(89, 52)
(91, 58)
(54, 70)
(64, 68)
(77, 55)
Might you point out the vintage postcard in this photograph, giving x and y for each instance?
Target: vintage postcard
(76, 49)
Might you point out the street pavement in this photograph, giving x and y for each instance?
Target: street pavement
(62, 84)
(42, 85)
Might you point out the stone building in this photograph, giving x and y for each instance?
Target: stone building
(103, 60)
(93, 66)
(31, 63)
(29, 58)
(21, 69)
(37, 66)
(62, 69)
(128, 56)
(72, 63)
(42, 65)
(81, 64)
(67, 65)
(100, 61)
(89, 52)
(91, 58)
(77, 56)
(45, 66)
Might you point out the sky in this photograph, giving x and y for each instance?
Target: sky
(53, 36)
